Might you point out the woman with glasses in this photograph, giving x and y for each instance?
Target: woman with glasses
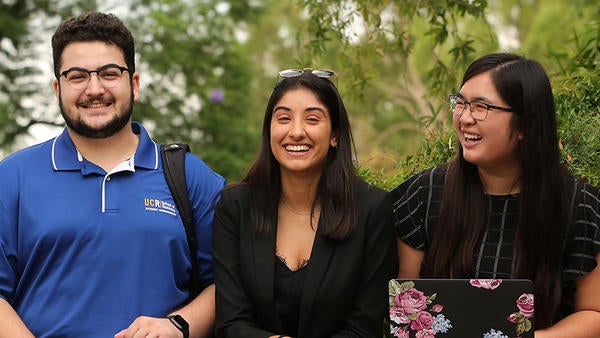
(505, 207)
(302, 246)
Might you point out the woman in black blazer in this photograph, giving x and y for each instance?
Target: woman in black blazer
(302, 246)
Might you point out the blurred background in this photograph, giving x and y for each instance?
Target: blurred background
(207, 68)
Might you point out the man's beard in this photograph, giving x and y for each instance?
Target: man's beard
(115, 125)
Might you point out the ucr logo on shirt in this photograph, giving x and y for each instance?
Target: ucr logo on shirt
(153, 204)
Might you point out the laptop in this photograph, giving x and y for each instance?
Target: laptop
(461, 308)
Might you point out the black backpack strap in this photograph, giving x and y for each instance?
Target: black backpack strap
(173, 159)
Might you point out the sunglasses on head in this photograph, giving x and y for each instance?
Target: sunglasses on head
(324, 73)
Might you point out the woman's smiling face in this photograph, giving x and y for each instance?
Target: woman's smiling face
(492, 142)
(301, 132)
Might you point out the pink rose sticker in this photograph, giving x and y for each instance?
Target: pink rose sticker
(437, 308)
(522, 318)
(423, 321)
(398, 316)
(514, 318)
(425, 334)
(525, 304)
(413, 314)
(489, 284)
(411, 300)
(401, 333)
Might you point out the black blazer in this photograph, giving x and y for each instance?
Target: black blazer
(345, 291)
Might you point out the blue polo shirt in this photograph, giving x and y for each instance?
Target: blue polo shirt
(84, 252)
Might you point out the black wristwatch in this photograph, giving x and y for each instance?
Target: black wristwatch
(180, 324)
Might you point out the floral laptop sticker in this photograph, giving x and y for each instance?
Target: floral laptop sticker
(448, 308)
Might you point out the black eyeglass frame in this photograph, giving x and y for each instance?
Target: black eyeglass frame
(452, 98)
(97, 71)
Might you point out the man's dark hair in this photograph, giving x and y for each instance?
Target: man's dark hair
(93, 26)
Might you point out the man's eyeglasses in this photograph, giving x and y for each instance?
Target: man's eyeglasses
(109, 76)
(324, 73)
(479, 110)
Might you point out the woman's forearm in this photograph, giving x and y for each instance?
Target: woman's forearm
(581, 324)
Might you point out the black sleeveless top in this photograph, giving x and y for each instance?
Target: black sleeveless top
(288, 292)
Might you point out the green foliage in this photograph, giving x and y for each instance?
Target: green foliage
(193, 56)
(18, 74)
(390, 28)
(12, 23)
(437, 148)
(577, 95)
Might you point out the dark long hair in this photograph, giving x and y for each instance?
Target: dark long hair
(544, 200)
(93, 26)
(335, 190)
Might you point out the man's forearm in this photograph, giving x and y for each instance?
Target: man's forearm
(200, 313)
(11, 325)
